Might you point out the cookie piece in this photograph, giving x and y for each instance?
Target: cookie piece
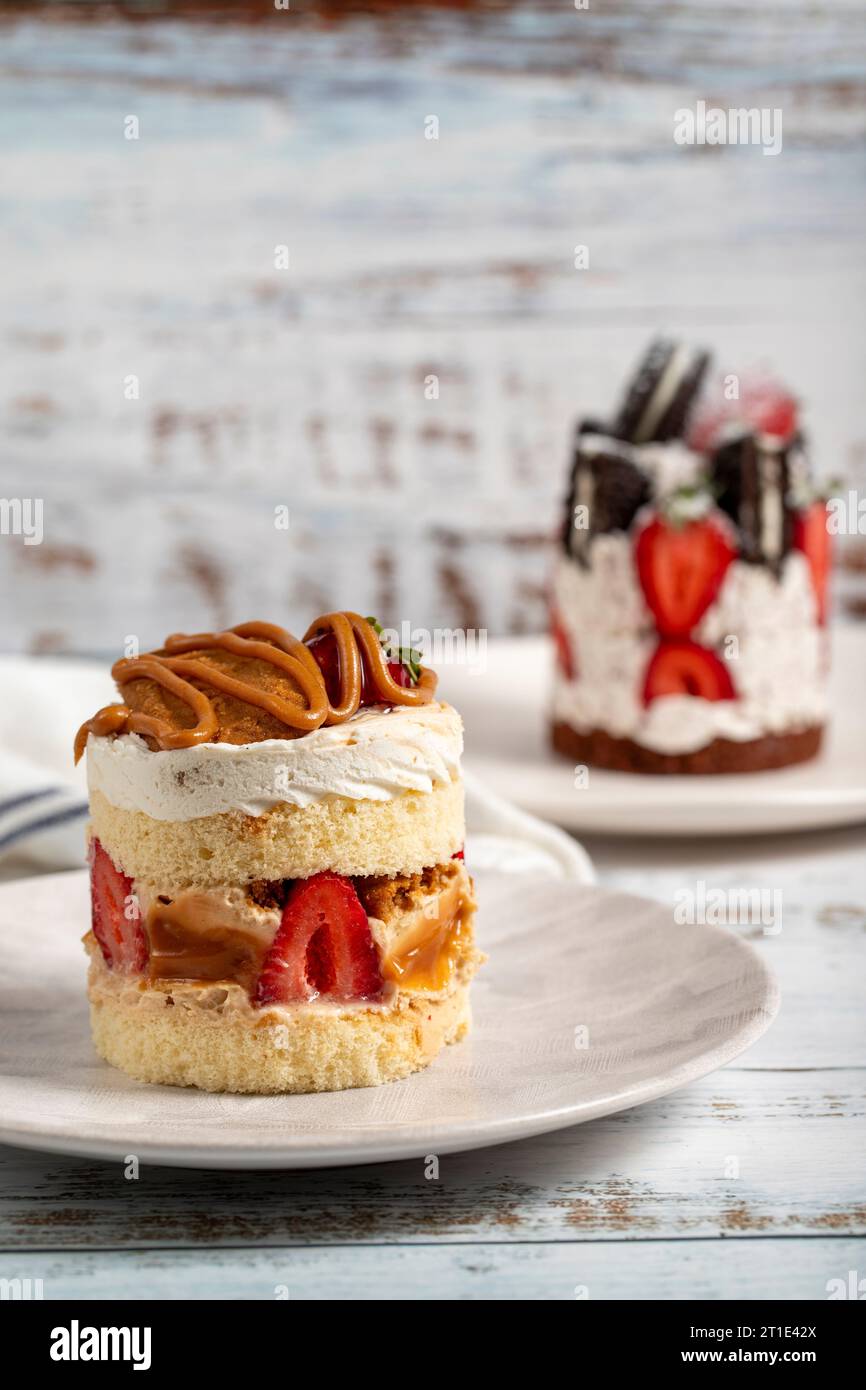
(753, 477)
(662, 393)
(239, 722)
(607, 490)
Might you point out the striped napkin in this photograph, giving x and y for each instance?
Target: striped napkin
(43, 798)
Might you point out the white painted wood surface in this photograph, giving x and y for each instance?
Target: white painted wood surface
(739, 1270)
(304, 387)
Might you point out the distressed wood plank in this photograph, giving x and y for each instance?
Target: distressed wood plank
(691, 1271)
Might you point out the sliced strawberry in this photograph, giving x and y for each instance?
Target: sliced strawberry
(324, 649)
(681, 569)
(813, 538)
(763, 407)
(323, 947)
(685, 668)
(458, 854)
(116, 919)
(564, 654)
(399, 673)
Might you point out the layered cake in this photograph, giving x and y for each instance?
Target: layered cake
(689, 593)
(279, 897)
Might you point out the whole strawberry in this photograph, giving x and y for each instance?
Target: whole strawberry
(404, 666)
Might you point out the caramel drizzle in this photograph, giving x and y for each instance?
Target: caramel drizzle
(357, 645)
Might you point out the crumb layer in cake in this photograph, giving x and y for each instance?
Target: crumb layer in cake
(722, 755)
(353, 838)
(182, 1045)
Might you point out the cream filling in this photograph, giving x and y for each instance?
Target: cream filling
(224, 998)
(378, 755)
(240, 933)
(227, 908)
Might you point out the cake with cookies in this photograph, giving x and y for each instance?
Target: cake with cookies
(278, 890)
(689, 594)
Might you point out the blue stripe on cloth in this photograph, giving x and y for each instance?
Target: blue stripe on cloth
(12, 803)
(44, 823)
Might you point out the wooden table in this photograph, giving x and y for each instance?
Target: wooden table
(167, 386)
(749, 1184)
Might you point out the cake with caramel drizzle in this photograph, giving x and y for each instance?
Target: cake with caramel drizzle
(279, 898)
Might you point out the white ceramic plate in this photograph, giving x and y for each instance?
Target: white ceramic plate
(656, 1005)
(505, 709)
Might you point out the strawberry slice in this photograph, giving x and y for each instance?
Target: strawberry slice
(400, 675)
(564, 654)
(323, 947)
(681, 569)
(813, 538)
(115, 917)
(324, 649)
(685, 668)
(763, 407)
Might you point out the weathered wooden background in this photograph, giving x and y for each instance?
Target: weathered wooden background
(408, 257)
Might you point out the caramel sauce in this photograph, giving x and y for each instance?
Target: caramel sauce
(426, 953)
(303, 710)
(193, 937)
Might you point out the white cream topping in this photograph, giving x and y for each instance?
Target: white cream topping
(777, 663)
(670, 466)
(591, 445)
(376, 756)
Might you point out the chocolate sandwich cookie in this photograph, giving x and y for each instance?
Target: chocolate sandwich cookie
(753, 476)
(661, 393)
(607, 489)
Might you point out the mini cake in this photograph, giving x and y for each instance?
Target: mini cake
(690, 588)
(279, 898)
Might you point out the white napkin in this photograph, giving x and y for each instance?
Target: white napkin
(43, 797)
(502, 838)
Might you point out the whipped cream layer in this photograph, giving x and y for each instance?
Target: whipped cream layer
(779, 671)
(379, 754)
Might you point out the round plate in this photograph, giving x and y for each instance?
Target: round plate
(591, 1002)
(504, 704)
